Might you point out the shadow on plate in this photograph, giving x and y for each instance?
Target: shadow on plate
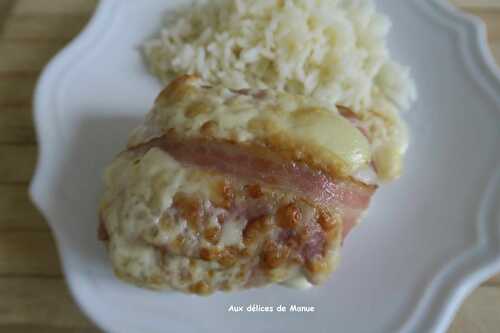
(96, 141)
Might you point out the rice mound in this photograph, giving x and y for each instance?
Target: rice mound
(333, 50)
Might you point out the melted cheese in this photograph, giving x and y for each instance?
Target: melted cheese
(295, 121)
(134, 260)
(334, 134)
(139, 190)
(299, 282)
(232, 233)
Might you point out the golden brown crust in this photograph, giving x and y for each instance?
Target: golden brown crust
(256, 229)
(177, 89)
(274, 255)
(254, 191)
(200, 288)
(289, 216)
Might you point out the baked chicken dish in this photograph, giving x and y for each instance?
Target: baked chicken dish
(223, 189)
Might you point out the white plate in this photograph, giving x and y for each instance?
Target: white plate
(428, 240)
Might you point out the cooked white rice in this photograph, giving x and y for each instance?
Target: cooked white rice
(334, 50)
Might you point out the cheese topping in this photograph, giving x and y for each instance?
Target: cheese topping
(171, 226)
(141, 216)
(332, 133)
(293, 125)
(232, 233)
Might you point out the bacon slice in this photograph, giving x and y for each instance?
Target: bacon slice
(348, 196)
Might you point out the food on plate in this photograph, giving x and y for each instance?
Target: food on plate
(331, 50)
(279, 122)
(224, 189)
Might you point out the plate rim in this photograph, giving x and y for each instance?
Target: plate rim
(469, 272)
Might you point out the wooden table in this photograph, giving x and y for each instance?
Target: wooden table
(33, 296)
